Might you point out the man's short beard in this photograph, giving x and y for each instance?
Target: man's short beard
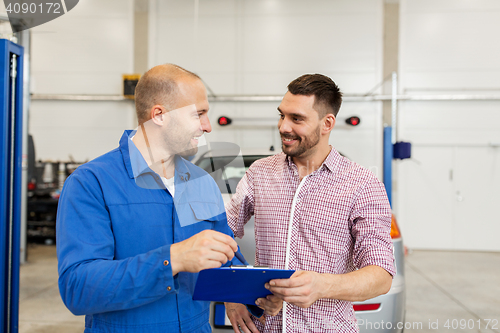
(188, 152)
(303, 147)
(178, 142)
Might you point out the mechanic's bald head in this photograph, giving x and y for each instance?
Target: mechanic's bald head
(159, 86)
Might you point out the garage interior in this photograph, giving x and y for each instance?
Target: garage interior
(428, 69)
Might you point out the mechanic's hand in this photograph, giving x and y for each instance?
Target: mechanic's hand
(302, 289)
(240, 318)
(207, 249)
(271, 304)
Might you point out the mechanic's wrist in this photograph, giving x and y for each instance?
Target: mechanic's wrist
(176, 264)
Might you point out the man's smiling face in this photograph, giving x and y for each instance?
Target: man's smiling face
(299, 125)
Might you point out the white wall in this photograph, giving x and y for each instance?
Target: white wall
(257, 47)
(238, 47)
(5, 29)
(447, 194)
(85, 51)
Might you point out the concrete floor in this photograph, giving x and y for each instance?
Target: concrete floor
(41, 309)
(458, 287)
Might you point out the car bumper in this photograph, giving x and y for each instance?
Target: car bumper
(390, 316)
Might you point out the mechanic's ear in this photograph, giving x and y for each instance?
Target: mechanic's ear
(157, 114)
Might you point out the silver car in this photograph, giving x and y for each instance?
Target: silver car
(227, 165)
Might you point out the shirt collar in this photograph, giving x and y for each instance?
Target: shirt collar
(136, 165)
(124, 148)
(331, 161)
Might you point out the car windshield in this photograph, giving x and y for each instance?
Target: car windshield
(227, 171)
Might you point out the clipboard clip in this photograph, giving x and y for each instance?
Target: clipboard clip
(241, 266)
(248, 266)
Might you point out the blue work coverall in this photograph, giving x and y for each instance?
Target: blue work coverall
(114, 233)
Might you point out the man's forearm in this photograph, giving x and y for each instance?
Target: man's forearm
(360, 285)
(306, 287)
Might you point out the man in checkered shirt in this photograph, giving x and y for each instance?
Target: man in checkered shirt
(317, 213)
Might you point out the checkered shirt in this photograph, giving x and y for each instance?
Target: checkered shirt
(341, 223)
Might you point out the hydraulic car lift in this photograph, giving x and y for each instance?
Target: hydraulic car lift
(11, 128)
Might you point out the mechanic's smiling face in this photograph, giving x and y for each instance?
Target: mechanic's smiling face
(189, 121)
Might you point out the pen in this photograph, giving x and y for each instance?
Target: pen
(240, 257)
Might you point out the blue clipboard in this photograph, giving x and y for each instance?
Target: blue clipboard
(236, 284)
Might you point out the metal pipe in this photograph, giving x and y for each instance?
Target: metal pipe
(449, 97)
(489, 144)
(245, 98)
(61, 97)
(394, 108)
(275, 98)
(362, 98)
(13, 75)
(387, 163)
(24, 38)
(273, 122)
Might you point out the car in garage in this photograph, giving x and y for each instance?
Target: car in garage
(227, 165)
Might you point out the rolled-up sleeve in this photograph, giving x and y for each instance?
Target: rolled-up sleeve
(241, 207)
(370, 227)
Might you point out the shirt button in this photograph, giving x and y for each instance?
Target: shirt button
(166, 263)
(169, 288)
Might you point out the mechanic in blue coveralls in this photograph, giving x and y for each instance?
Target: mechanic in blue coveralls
(135, 225)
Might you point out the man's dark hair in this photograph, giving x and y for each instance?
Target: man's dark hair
(327, 95)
